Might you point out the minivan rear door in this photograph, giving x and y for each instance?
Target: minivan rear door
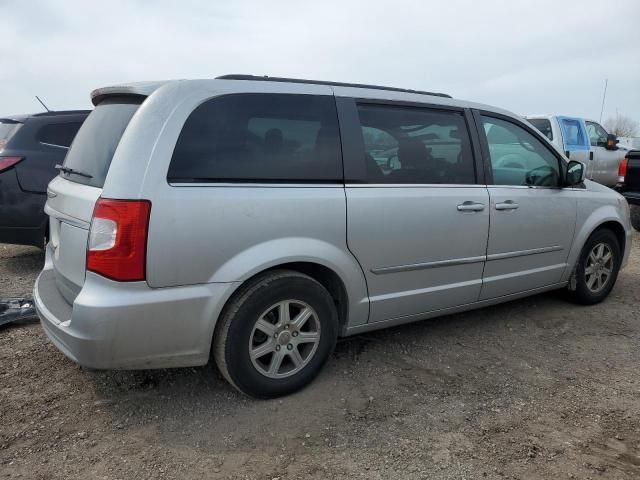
(72, 195)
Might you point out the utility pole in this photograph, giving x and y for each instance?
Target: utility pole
(604, 95)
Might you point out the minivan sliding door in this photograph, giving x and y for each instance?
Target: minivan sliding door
(417, 221)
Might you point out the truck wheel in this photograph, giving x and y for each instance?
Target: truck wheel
(635, 216)
(597, 268)
(275, 334)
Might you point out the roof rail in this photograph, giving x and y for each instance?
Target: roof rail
(322, 82)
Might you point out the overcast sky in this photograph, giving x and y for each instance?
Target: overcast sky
(525, 56)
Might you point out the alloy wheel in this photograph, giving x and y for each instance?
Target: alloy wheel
(284, 339)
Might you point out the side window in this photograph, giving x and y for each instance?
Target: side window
(573, 133)
(415, 145)
(60, 134)
(259, 137)
(597, 134)
(518, 157)
(543, 125)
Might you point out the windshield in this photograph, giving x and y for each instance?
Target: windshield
(93, 148)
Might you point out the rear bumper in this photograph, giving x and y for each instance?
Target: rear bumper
(129, 325)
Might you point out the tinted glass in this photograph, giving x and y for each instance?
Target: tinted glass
(415, 145)
(98, 138)
(597, 134)
(259, 137)
(60, 134)
(518, 157)
(543, 125)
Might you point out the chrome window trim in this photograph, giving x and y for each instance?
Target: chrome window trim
(257, 185)
(414, 185)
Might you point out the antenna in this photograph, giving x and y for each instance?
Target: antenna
(42, 103)
(604, 95)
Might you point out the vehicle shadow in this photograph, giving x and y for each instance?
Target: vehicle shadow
(374, 375)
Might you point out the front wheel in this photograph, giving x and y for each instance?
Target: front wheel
(597, 268)
(275, 334)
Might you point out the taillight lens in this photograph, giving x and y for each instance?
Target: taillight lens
(7, 162)
(117, 246)
(622, 170)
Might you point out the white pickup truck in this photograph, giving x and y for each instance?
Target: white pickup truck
(586, 141)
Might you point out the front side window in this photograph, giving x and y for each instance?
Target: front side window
(597, 134)
(518, 157)
(415, 145)
(259, 137)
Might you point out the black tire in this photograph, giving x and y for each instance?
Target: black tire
(635, 216)
(234, 331)
(582, 294)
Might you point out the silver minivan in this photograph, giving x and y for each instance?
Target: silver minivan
(254, 220)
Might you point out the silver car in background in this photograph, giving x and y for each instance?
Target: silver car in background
(254, 220)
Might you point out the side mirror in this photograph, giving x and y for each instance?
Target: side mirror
(612, 142)
(575, 173)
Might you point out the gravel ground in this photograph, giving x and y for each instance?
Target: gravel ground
(537, 388)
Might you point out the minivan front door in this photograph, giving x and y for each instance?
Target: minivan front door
(416, 219)
(532, 219)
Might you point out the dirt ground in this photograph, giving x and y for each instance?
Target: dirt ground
(537, 388)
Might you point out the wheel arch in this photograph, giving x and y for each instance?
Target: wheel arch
(333, 267)
(604, 218)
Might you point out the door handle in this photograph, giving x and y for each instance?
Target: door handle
(470, 207)
(507, 205)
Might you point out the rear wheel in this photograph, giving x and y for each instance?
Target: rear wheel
(597, 268)
(635, 216)
(275, 334)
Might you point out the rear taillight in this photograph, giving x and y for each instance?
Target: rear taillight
(622, 170)
(7, 162)
(117, 247)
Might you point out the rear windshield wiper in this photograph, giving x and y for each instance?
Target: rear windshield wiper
(70, 171)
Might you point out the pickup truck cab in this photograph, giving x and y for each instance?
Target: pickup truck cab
(586, 141)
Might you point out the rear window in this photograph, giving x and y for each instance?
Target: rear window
(97, 140)
(7, 130)
(259, 137)
(543, 125)
(58, 134)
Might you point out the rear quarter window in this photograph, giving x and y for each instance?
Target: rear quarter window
(98, 138)
(259, 138)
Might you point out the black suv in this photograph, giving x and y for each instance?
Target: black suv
(30, 148)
